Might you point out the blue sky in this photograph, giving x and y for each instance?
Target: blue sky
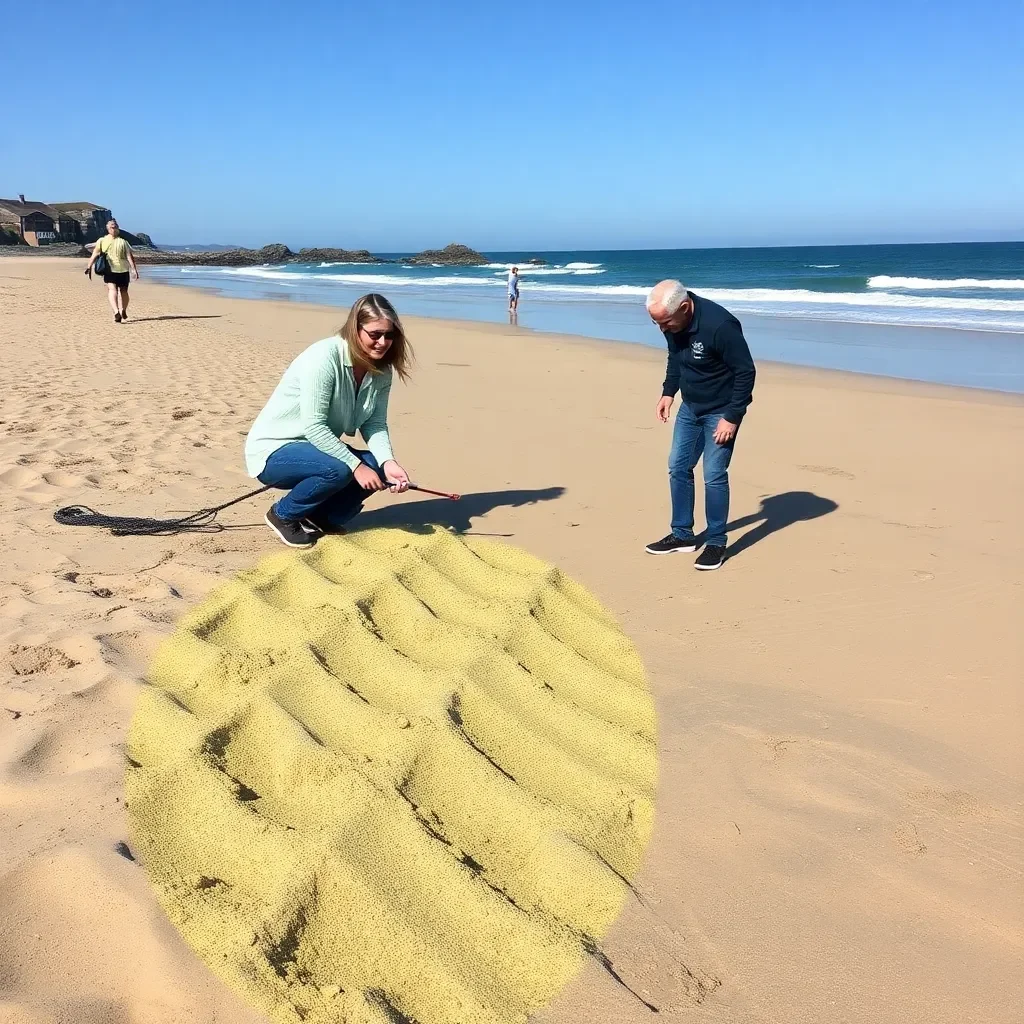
(399, 125)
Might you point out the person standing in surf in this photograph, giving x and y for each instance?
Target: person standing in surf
(337, 386)
(513, 290)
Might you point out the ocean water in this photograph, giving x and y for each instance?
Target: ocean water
(949, 313)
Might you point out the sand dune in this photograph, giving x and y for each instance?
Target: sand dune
(837, 823)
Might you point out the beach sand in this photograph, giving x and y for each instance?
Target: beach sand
(837, 826)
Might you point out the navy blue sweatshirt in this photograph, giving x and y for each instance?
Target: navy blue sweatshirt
(710, 362)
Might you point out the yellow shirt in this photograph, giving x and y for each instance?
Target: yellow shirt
(116, 250)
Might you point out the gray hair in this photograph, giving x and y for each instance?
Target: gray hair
(670, 295)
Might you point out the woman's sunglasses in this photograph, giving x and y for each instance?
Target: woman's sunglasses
(388, 335)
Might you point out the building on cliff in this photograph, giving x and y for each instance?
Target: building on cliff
(90, 218)
(34, 223)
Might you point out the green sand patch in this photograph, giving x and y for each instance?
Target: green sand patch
(397, 777)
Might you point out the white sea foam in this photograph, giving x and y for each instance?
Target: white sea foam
(759, 296)
(554, 271)
(875, 306)
(894, 300)
(346, 263)
(822, 266)
(936, 284)
(555, 268)
(272, 274)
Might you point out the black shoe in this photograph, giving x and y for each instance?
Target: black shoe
(669, 545)
(317, 529)
(124, 316)
(288, 530)
(711, 557)
(117, 318)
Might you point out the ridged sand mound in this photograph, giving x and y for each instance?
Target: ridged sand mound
(399, 777)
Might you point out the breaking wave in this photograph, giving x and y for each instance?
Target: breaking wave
(934, 284)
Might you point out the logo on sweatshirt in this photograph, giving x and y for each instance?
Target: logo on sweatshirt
(698, 349)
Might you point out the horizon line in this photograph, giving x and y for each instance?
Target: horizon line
(695, 248)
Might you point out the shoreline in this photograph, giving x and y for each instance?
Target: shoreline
(632, 347)
(838, 709)
(928, 354)
(794, 341)
(919, 386)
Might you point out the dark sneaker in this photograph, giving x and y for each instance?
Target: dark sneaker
(117, 318)
(711, 557)
(669, 545)
(288, 530)
(321, 529)
(124, 316)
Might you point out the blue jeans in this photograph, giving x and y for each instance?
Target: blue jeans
(319, 486)
(692, 437)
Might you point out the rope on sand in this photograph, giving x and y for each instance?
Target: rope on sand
(203, 521)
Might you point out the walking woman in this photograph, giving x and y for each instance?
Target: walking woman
(337, 386)
(120, 259)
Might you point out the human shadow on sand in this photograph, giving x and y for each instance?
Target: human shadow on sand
(173, 316)
(419, 516)
(777, 512)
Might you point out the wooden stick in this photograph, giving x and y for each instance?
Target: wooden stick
(440, 494)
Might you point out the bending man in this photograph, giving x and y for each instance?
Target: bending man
(708, 360)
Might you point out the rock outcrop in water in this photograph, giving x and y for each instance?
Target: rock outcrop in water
(337, 256)
(276, 253)
(453, 255)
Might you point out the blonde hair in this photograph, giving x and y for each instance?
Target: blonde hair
(376, 307)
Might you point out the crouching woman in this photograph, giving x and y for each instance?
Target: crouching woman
(336, 387)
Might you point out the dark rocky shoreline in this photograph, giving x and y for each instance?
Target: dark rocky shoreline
(276, 253)
(453, 255)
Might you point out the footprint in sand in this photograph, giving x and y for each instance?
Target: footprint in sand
(397, 777)
(908, 839)
(60, 478)
(829, 471)
(19, 476)
(27, 661)
(950, 803)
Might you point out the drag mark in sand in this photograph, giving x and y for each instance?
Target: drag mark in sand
(399, 777)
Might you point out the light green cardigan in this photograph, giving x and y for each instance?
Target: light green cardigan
(316, 401)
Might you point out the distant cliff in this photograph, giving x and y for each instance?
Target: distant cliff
(136, 241)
